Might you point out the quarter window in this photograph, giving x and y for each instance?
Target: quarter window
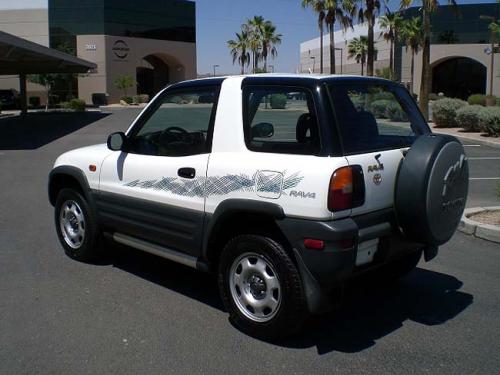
(281, 120)
(179, 125)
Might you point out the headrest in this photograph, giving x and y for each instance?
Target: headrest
(305, 123)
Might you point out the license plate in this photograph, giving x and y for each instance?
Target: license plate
(366, 252)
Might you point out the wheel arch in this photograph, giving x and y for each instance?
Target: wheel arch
(67, 177)
(240, 216)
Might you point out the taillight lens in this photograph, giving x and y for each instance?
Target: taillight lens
(347, 188)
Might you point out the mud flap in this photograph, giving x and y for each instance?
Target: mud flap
(430, 252)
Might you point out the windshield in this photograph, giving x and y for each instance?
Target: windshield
(373, 117)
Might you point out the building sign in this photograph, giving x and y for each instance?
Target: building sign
(120, 49)
(90, 47)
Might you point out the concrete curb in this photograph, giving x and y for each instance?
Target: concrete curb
(477, 229)
(463, 136)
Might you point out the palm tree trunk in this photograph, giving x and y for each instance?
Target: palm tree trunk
(371, 49)
(321, 50)
(426, 56)
(412, 70)
(362, 68)
(391, 59)
(332, 48)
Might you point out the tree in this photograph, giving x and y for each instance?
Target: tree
(392, 23)
(366, 13)
(239, 50)
(427, 8)
(124, 82)
(269, 42)
(318, 6)
(341, 11)
(412, 37)
(254, 28)
(358, 49)
(46, 80)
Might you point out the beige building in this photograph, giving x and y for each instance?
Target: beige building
(152, 42)
(460, 52)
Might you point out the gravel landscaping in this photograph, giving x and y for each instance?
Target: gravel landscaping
(487, 217)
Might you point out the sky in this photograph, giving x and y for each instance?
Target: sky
(218, 20)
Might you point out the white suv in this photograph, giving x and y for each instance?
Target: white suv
(285, 186)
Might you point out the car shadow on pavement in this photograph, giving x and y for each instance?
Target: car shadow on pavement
(38, 129)
(371, 310)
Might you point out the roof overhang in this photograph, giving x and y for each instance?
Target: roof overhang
(20, 56)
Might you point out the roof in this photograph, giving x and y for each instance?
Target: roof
(20, 56)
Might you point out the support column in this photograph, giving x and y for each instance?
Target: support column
(22, 94)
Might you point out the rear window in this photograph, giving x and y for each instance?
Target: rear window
(374, 117)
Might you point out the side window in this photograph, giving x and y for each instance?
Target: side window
(281, 120)
(178, 126)
(374, 117)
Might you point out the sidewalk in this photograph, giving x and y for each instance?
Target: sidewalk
(467, 136)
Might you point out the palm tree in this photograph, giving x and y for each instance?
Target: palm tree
(254, 29)
(412, 37)
(358, 49)
(392, 23)
(427, 7)
(341, 11)
(239, 49)
(269, 41)
(319, 7)
(366, 13)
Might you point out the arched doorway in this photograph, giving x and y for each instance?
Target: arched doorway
(459, 77)
(152, 75)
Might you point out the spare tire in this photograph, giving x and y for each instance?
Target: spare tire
(431, 189)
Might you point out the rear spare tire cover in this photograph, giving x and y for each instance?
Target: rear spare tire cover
(431, 189)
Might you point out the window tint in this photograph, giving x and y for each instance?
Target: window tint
(179, 125)
(281, 120)
(373, 117)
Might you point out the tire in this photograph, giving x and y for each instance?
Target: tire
(76, 226)
(431, 189)
(261, 287)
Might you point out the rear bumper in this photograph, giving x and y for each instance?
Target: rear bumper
(323, 270)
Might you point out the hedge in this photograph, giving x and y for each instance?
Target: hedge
(127, 99)
(278, 101)
(489, 118)
(468, 117)
(378, 108)
(444, 112)
(479, 99)
(395, 112)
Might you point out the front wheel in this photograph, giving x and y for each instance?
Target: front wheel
(76, 225)
(261, 287)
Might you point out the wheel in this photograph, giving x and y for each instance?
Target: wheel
(76, 225)
(400, 267)
(261, 287)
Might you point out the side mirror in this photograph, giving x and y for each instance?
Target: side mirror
(117, 141)
(262, 130)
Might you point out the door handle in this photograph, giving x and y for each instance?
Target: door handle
(186, 172)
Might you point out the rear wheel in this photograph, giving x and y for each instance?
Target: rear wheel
(261, 288)
(76, 225)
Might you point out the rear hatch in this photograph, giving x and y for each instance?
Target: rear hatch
(377, 123)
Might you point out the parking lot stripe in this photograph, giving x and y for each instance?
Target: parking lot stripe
(486, 158)
(472, 145)
(484, 178)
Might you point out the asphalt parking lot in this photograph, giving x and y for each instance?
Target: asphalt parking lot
(135, 313)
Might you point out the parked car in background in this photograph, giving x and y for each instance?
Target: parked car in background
(9, 99)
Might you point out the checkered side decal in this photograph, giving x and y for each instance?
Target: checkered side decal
(205, 186)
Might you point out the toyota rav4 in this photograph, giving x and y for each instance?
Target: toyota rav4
(284, 186)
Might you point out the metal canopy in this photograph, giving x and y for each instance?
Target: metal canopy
(20, 56)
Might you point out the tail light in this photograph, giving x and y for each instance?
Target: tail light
(347, 188)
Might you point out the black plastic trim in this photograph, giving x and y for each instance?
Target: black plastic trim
(178, 228)
(71, 171)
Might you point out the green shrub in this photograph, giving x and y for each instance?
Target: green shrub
(34, 101)
(77, 105)
(384, 95)
(127, 99)
(395, 113)
(491, 100)
(278, 101)
(378, 108)
(479, 99)
(498, 100)
(468, 117)
(444, 112)
(143, 98)
(489, 118)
